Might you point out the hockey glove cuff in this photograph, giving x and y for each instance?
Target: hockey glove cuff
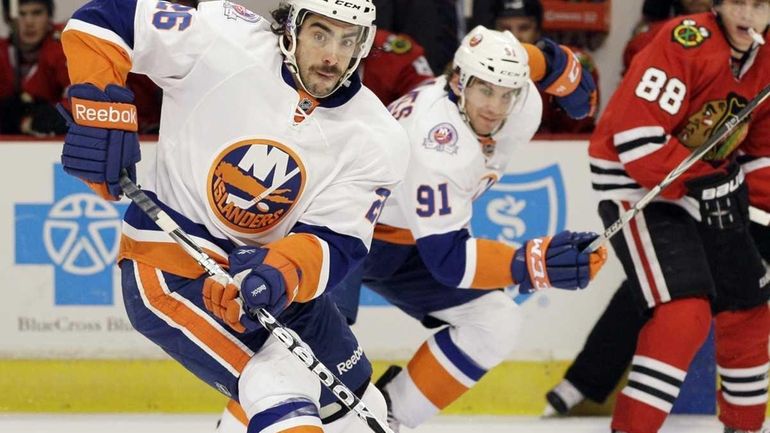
(557, 261)
(257, 285)
(101, 139)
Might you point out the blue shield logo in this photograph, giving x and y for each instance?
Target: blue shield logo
(522, 206)
(78, 234)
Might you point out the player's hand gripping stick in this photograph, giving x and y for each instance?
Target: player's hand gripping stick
(276, 329)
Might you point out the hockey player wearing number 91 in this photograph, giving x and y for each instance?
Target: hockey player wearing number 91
(271, 155)
(464, 129)
(689, 257)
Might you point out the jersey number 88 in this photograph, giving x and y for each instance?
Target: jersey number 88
(656, 86)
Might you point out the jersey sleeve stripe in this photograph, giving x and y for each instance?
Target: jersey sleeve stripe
(537, 65)
(115, 15)
(637, 133)
(470, 264)
(493, 265)
(393, 235)
(305, 253)
(166, 255)
(639, 142)
(754, 164)
(339, 253)
(94, 60)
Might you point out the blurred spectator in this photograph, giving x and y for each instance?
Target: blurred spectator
(396, 65)
(437, 25)
(33, 71)
(524, 18)
(658, 10)
(656, 13)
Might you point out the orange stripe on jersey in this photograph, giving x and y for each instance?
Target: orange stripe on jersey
(168, 257)
(303, 252)
(191, 320)
(393, 235)
(432, 379)
(493, 265)
(303, 429)
(94, 60)
(537, 66)
(236, 410)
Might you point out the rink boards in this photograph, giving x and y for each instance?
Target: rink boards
(63, 320)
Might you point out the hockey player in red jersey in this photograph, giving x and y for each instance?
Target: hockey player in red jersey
(396, 65)
(689, 255)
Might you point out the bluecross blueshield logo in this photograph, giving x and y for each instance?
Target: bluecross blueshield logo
(522, 206)
(78, 234)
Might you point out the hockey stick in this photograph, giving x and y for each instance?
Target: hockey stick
(276, 329)
(721, 133)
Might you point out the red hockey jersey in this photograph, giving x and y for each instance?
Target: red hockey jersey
(395, 66)
(674, 96)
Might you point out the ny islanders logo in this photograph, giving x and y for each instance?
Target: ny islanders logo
(442, 138)
(253, 184)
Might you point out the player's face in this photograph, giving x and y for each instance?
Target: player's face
(325, 49)
(487, 105)
(524, 28)
(32, 24)
(738, 16)
(695, 6)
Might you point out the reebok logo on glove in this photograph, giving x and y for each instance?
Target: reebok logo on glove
(258, 290)
(109, 115)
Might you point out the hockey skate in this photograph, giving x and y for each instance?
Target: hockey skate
(561, 399)
(381, 383)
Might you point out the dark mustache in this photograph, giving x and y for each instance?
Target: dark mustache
(327, 69)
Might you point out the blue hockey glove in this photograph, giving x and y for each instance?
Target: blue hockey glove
(574, 88)
(257, 285)
(102, 138)
(557, 261)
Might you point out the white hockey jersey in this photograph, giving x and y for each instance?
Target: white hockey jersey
(234, 166)
(447, 171)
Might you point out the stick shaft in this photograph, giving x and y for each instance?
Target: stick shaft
(270, 323)
(721, 134)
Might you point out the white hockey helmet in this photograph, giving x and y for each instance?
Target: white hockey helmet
(358, 12)
(495, 57)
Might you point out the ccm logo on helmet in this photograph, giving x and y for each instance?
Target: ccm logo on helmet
(347, 4)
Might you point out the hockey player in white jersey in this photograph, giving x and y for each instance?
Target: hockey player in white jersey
(463, 129)
(271, 155)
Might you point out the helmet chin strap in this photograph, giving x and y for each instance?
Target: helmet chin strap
(464, 115)
(290, 60)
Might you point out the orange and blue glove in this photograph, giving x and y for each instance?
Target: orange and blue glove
(573, 88)
(101, 140)
(559, 261)
(257, 285)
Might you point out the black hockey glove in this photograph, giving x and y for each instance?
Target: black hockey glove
(723, 198)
